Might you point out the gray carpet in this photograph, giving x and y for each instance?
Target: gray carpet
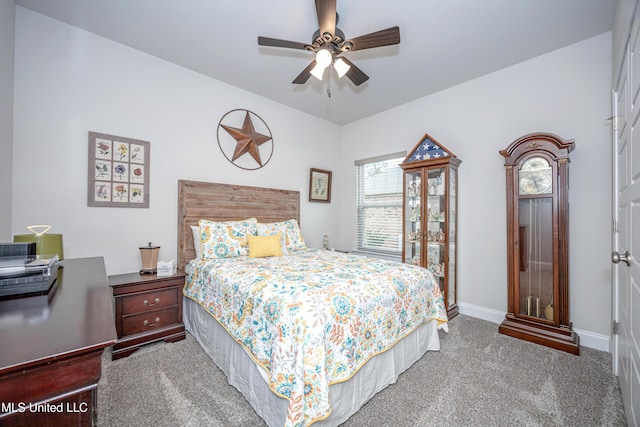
(478, 378)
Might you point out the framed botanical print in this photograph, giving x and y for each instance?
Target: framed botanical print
(320, 185)
(118, 172)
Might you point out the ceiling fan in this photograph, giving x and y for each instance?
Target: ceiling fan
(329, 44)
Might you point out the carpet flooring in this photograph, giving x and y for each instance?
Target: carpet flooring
(478, 378)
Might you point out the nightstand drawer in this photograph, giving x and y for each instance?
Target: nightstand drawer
(149, 321)
(147, 301)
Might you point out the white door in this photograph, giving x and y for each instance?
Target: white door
(626, 240)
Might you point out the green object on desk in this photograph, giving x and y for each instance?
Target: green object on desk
(46, 244)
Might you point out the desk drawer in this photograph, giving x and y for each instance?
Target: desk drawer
(148, 321)
(141, 303)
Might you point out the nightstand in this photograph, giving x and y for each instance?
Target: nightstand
(148, 308)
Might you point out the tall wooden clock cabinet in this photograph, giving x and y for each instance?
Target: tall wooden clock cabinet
(537, 173)
(430, 214)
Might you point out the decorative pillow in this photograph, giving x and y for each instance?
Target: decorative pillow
(294, 239)
(226, 239)
(273, 229)
(264, 246)
(195, 230)
(295, 242)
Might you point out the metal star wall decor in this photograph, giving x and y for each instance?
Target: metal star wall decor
(253, 138)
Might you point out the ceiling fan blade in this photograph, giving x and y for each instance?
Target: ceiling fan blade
(268, 41)
(305, 74)
(326, 10)
(355, 74)
(379, 38)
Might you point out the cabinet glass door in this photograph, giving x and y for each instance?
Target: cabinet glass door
(451, 237)
(436, 223)
(413, 230)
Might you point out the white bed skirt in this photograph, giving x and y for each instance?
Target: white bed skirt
(346, 398)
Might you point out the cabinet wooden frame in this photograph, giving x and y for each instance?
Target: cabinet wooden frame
(553, 329)
(419, 163)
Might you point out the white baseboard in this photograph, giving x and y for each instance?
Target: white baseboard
(488, 314)
(593, 340)
(587, 339)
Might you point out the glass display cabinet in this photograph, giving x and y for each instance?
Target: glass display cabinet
(537, 172)
(430, 214)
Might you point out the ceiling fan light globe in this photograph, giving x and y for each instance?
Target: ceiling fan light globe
(323, 58)
(341, 67)
(318, 71)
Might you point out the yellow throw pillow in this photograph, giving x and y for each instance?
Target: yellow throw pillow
(264, 246)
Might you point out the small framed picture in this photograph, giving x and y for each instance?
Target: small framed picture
(320, 186)
(118, 172)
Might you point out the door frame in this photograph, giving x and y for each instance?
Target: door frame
(615, 316)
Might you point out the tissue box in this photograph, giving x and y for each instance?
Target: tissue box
(167, 268)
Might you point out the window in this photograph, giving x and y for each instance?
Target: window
(379, 199)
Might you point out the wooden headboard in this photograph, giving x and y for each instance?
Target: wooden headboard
(225, 202)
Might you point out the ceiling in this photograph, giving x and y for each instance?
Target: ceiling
(443, 42)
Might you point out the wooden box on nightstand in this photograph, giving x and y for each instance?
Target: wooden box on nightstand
(148, 308)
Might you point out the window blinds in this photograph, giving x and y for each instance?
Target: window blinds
(379, 202)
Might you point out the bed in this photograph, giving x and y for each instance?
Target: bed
(306, 337)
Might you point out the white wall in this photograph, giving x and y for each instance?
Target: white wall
(7, 24)
(69, 82)
(566, 92)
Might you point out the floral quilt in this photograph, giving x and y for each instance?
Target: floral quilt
(314, 318)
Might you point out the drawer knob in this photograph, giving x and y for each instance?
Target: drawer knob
(156, 301)
(146, 322)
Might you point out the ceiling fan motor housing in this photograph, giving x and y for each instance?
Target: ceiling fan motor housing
(328, 39)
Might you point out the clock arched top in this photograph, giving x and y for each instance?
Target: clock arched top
(556, 147)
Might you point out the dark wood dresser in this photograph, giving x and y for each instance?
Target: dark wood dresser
(51, 348)
(148, 308)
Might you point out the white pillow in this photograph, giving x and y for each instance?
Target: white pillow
(195, 230)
